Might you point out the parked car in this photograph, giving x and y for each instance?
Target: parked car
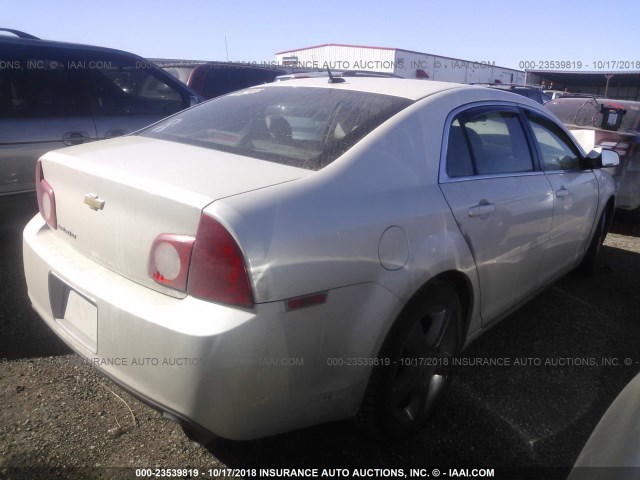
(337, 73)
(612, 453)
(584, 117)
(528, 91)
(212, 79)
(553, 94)
(55, 94)
(307, 251)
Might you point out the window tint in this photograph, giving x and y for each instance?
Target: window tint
(303, 127)
(126, 88)
(221, 79)
(41, 87)
(557, 150)
(459, 162)
(487, 142)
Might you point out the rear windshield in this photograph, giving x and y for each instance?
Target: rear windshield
(585, 112)
(305, 127)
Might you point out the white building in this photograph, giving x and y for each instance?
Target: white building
(405, 63)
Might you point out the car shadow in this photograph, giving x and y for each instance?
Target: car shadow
(626, 223)
(456, 437)
(16, 211)
(24, 334)
(566, 352)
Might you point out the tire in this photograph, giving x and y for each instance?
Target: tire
(402, 395)
(590, 263)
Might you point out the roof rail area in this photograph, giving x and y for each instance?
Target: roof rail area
(19, 34)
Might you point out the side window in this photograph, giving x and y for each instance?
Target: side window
(459, 161)
(487, 142)
(557, 150)
(124, 88)
(40, 87)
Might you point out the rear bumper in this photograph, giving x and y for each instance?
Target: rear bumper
(240, 374)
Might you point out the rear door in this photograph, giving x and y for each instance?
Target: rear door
(43, 106)
(503, 205)
(575, 195)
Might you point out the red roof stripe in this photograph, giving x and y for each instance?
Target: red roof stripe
(335, 45)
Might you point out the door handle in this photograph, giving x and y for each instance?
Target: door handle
(482, 209)
(563, 192)
(75, 138)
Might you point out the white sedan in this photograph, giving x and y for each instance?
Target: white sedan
(311, 250)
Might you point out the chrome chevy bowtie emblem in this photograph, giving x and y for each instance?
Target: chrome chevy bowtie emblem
(93, 201)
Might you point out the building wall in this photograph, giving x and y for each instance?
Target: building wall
(454, 70)
(338, 57)
(400, 62)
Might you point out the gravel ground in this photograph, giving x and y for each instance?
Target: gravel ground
(62, 419)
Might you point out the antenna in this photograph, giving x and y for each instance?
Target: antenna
(226, 48)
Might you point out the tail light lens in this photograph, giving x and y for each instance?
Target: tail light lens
(169, 260)
(209, 266)
(218, 271)
(46, 198)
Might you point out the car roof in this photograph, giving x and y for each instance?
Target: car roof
(506, 85)
(411, 89)
(169, 63)
(38, 43)
(398, 87)
(336, 73)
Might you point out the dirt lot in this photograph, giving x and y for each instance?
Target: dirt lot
(62, 419)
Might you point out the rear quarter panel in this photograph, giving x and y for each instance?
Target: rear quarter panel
(324, 231)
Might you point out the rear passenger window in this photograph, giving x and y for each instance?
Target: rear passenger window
(41, 87)
(487, 142)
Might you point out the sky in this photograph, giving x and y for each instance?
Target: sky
(507, 33)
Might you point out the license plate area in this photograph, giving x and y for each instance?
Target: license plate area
(74, 312)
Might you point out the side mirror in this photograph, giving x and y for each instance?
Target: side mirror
(604, 158)
(609, 158)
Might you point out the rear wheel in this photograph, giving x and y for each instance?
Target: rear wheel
(420, 348)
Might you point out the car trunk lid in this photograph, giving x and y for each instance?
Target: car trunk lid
(113, 198)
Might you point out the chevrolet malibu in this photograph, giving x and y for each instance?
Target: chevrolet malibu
(308, 251)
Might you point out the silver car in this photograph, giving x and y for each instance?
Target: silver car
(310, 250)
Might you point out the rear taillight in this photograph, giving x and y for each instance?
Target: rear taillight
(218, 272)
(209, 266)
(169, 260)
(46, 198)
